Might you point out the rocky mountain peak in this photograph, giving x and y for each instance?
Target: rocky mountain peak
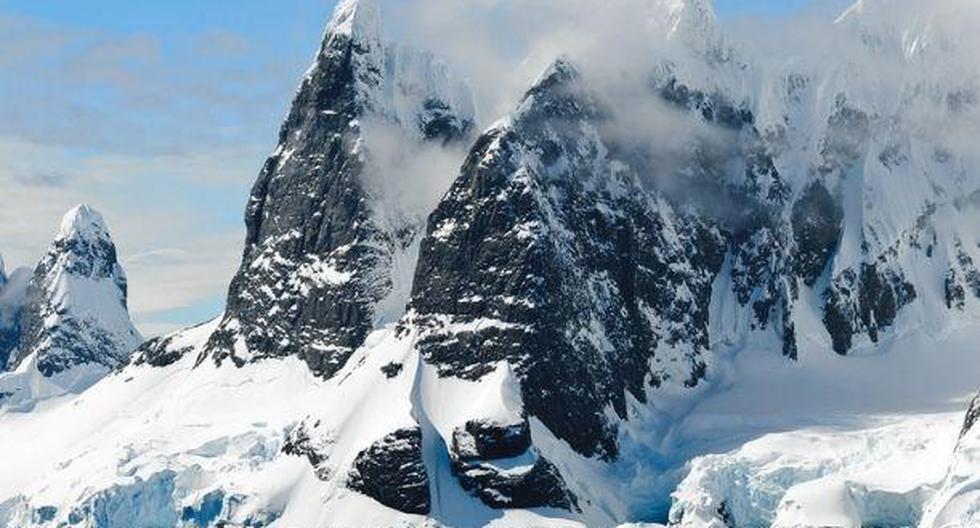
(319, 253)
(75, 311)
(356, 18)
(83, 222)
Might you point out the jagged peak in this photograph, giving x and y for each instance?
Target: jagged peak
(690, 18)
(84, 222)
(561, 70)
(356, 18)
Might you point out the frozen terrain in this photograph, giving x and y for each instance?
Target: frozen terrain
(712, 289)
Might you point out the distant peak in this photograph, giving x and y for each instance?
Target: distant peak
(560, 70)
(83, 221)
(356, 18)
(690, 17)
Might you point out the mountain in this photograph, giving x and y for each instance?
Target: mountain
(73, 323)
(713, 289)
(325, 247)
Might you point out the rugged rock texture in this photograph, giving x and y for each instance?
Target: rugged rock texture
(76, 312)
(972, 416)
(497, 464)
(166, 350)
(549, 254)
(392, 472)
(817, 227)
(479, 439)
(865, 303)
(540, 485)
(318, 254)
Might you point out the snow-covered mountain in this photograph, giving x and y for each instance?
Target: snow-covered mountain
(328, 254)
(69, 324)
(700, 291)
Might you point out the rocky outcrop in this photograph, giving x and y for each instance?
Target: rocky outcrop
(865, 303)
(480, 439)
(972, 417)
(319, 251)
(498, 465)
(76, 311)
(392, 472)
(538, 486)
(817, 220)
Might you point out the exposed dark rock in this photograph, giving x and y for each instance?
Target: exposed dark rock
(487, 441)
(392, 472)
(317, 261)
(970, 273)
(160, 352)
(44, 514)
(972, 416)
(589, 286)
(726, 516)
(477, 449)
(817, 227)
(392, 370)
(714, 108)
(865, 303)
(539, 486)
(955, 294)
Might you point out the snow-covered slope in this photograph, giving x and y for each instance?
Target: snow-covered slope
(958, 501)
(74, 326)
(714, 288)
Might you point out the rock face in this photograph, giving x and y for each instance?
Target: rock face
(548, 254)
(866, 302)
(321, 247)
(76, 312)
(498, 465)
(817, 225)
(392, 472)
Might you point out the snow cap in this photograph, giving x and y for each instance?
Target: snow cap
(83, 222)
(356, 18)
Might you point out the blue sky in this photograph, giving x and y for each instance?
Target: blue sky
(159, 113)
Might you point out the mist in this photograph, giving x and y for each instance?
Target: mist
(879, 55)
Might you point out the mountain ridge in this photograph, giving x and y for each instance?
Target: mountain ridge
(583, 324)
